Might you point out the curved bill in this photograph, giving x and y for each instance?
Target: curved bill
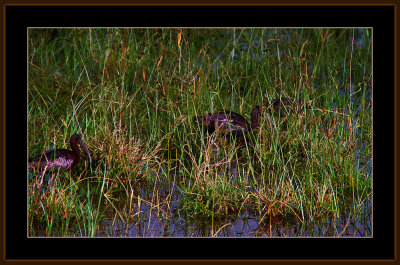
(87, 151)
(268, 118)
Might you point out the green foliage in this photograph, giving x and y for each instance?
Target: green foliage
(133, 94)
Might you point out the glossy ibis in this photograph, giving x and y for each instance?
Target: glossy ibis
(62, 159)
(228, 121)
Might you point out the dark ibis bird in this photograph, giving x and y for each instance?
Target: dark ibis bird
(227, 121)
(60, 159)
(230, 122)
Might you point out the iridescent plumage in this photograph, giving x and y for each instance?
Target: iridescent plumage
(62, 159)
(227, 121)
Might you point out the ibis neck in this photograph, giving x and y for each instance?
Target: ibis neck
(255, 117)
(254, 122)
(75, 148)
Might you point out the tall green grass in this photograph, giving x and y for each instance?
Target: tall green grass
(133, 93)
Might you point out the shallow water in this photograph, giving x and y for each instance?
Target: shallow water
(145, 217)
(153, 211)
(153, 224)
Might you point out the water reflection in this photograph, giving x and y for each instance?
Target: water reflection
(154, 212)
(153, 209)
(153, 224)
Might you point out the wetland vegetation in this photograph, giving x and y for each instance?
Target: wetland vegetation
(133, 94)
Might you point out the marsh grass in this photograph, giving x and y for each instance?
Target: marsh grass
(133, 94)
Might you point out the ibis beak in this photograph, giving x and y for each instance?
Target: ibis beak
(268, 118)
(87, 151)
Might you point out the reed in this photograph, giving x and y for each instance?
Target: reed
(133, 94)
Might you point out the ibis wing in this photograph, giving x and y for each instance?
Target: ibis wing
(232, 121)
(51, 158)
(226, 120)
